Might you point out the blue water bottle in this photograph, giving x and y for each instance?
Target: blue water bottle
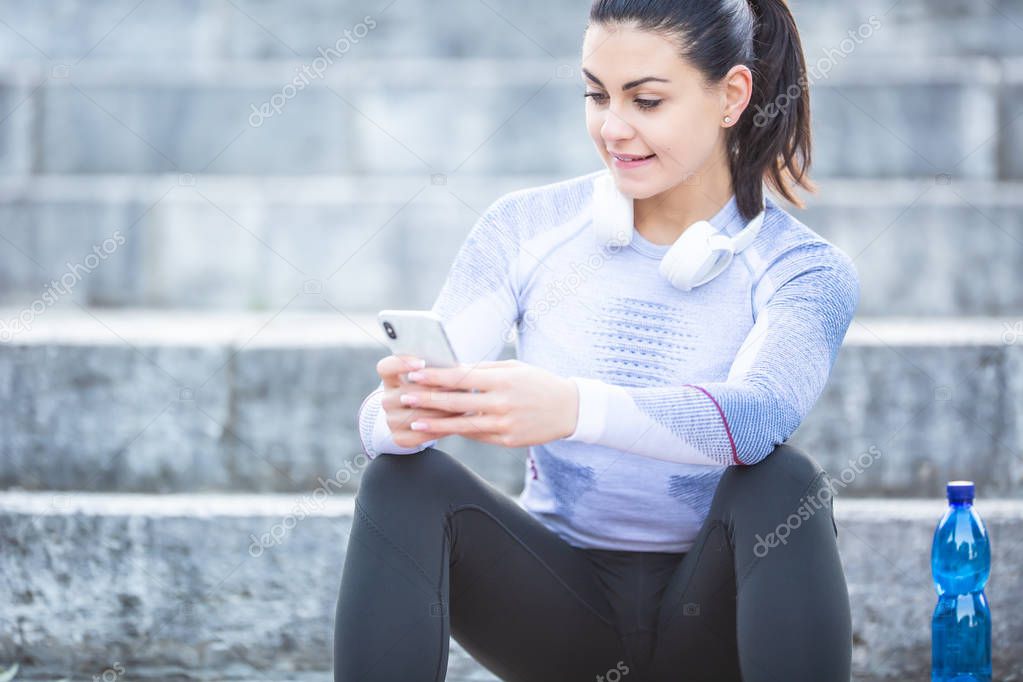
(960, 564)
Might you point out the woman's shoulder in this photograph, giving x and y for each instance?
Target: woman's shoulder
(537, 208)
(785, 234)
(576, 187)
(788, 247)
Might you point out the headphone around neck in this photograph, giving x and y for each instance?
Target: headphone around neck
(699, 255)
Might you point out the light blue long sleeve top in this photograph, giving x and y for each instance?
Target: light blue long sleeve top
(674, 386)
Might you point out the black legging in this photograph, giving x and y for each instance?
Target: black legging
(436, 551)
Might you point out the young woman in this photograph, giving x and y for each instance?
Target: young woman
(666, 530)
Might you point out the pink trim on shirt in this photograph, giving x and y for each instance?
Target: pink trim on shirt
(731, 441)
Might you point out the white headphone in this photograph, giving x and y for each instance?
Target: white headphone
(699, 255)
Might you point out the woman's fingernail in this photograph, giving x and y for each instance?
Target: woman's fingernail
(409, 399)
(415, 376)
(417, 363)
(418, 426)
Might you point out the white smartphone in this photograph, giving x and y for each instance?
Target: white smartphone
(419, 333)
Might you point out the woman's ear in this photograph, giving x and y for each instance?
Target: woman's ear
(736, 91)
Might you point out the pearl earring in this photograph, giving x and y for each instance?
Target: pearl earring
(728, 119)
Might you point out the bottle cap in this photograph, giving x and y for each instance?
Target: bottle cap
(959, 491)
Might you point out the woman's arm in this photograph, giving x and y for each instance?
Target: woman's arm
(374, 431)
(478, 304)
(779, 372)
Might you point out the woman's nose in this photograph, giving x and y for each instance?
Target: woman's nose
(615, 127)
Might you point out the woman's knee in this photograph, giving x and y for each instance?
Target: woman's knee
(788, 474)
(390, 475)
(790, 462)
(768, 501)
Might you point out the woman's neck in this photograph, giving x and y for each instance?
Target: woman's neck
(663, 218)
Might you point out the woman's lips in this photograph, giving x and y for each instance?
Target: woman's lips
(619, 163)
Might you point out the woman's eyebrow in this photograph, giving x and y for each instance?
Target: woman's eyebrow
(630, 84)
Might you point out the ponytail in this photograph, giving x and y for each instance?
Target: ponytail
(771, 140)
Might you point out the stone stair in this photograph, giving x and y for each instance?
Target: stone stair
(195, 382)
(221, 242)
(226, 586)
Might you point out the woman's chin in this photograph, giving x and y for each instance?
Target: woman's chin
(635, 188)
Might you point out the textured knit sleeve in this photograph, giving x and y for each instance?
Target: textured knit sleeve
(804, 304)
(478, 305)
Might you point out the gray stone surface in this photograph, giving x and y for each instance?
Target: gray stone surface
(941, 247)
(118, 128)
(239, 243)
(173, 587)
(169, 582)
(16, 111)
(1010, 152)
(935, 400)
(161, 401)
(867, 130)
(368, 243)
(127, 29)
(909, 28)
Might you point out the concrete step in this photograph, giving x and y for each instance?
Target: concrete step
(461, 668)
(184, 592)
(872, 118)
(141, 400)
(172, 583)
(255, 29)
(258, 243)
(172, 401)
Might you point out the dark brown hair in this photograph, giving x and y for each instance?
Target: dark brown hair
(771, 140)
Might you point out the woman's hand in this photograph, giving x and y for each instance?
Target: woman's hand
(392, 371)
(517, 404)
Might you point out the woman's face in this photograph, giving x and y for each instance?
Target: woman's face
(677, 118)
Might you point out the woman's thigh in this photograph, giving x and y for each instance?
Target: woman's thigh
(695, 637)
(762, 594)
(515, 595)
(524, 603)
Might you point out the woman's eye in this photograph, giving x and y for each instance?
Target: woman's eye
(642, 103)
